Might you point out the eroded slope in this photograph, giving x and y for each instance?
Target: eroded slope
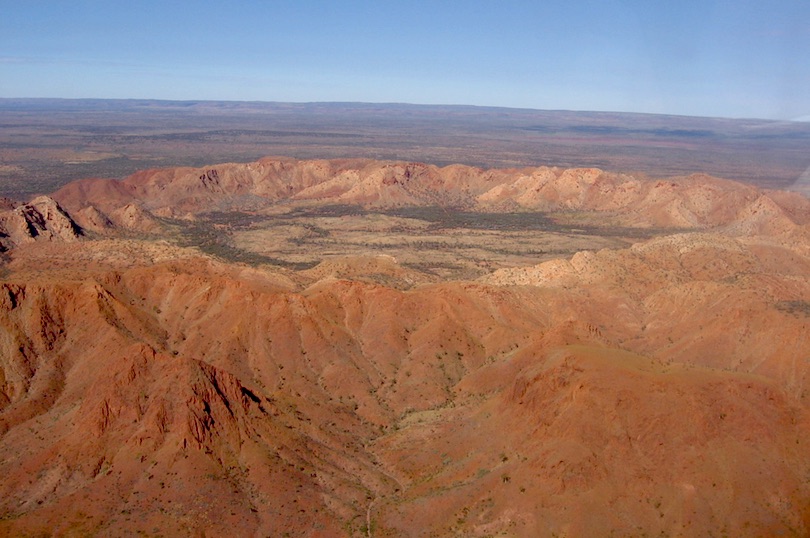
(654, 383)
(190, 395)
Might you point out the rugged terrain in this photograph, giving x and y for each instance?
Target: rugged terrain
(369, 348)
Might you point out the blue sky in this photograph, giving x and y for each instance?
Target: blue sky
(710, 58)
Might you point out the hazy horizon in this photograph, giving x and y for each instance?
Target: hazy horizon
(745, 60)
(802, 119)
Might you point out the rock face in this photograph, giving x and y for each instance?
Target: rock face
(659, 389)
(41, 219)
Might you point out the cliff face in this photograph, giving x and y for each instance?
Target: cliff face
(41, 219)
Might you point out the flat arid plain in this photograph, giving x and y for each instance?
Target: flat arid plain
(245, 319)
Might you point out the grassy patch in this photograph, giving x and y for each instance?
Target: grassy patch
(795, 308)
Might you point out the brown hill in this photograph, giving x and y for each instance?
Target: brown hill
(617, 396)
(41, 219)
(658, 389)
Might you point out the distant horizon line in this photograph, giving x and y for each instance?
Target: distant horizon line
(800, 119)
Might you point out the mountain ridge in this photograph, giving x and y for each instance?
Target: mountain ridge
(694, 201)
(659, 386)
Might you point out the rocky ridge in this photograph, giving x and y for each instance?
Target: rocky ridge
(696, 201)
(662, 388)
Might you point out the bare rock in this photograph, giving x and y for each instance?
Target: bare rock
(41, 219)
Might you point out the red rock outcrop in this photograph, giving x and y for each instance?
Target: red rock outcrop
(41, 219)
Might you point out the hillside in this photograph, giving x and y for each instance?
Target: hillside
(368, 348)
